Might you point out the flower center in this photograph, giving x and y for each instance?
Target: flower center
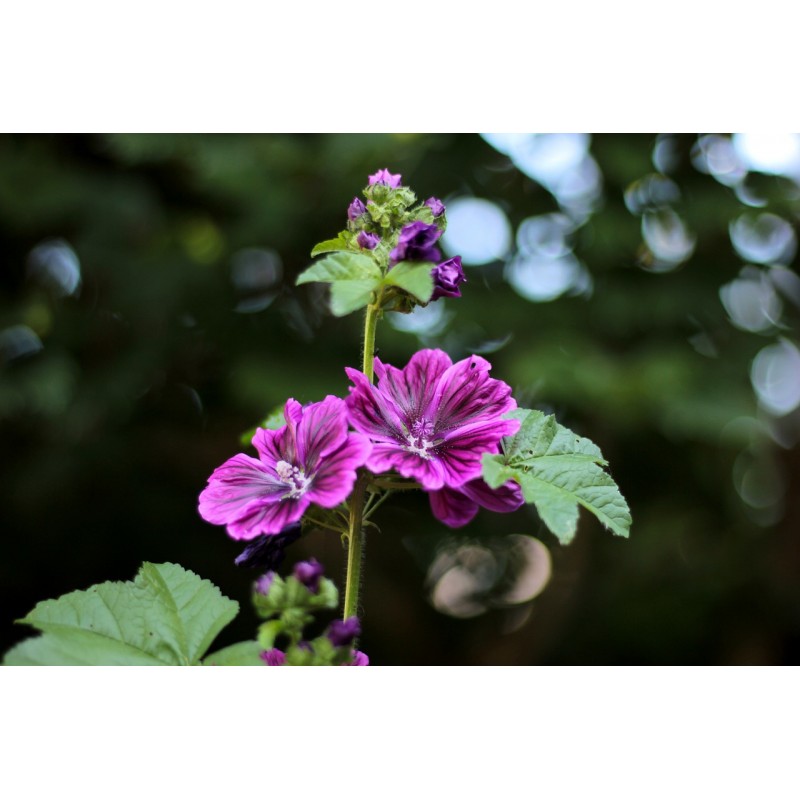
(294, 477)
(418, 438)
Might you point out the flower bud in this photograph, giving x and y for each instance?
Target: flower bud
(273, 657)
(266, 550)
(264, 583)
(368, 241)
(356, 209)
(308, 573)
(435, 205)
(359, 660)
(342, 633)
(416, 243)
(386, 178)
(446, 278)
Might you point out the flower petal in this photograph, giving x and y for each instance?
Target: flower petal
(465, 393)
(387, 456)
(370, 412)
(322, 429)
(235, 487)
(413, 387)
(503, 500)
(334, 479)
(452, 507)
(268, 517)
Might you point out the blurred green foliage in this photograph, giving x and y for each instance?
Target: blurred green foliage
(117, 400)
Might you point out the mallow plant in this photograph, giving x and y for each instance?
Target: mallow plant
(449, 429)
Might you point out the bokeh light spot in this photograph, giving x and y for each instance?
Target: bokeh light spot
(477, 230)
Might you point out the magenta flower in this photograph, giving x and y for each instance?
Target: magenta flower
(385, 177)
(359, 660)
(433, 420)
(311, 459)
(368, 241)
(273, 657)
(457, 507)
(308, 573)
(417, 242)
(446, 278)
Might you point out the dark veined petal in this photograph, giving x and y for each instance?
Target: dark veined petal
(235, 487)
(268, 517)
(503, 500)
(413, 387)
(333, 481)
(370, 412)
(386, 456)
(465, 393)
(321, 430)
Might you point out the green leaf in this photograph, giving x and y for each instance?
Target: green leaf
(413, 277)
(353, 278)
(331, 245)
(557, 471)
(166, 616)
(241, 654)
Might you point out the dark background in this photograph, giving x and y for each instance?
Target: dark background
(148, 317)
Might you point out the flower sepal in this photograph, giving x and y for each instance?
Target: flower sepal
(286, 596)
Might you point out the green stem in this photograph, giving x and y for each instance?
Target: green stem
(355, 535)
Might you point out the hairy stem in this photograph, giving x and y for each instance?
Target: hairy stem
(355, 535)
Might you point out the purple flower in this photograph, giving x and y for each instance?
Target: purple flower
(417, 242)
(311, 459)
(356, 209)
(342, 633)
(264, 582)
(446, 277)
(435, 205)
(266, 552)
(433, 420)
(359, 660)
(308, 573)
(385, 177)
(457, 507)
(273, 657)
(369, 241)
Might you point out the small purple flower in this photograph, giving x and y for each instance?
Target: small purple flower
(417, 242)
(369, 241)
(264, 582)
(385, 177)
(266, 551)
(433, 420)
(457, 507)
(311, 459)
(273, 657)
(356, 209)
(342, 633)
(435, 205)
(308, 573)
(359, 660)
(446, 278)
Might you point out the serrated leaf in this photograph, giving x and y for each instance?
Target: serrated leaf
(413, 277)
(241, 654)
(167, 615)
(331, 246)
(353, 278)
(557, 471)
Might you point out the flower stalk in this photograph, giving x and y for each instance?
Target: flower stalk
(355, 533)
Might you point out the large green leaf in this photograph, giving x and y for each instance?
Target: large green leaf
(166, 616)
(241, 654)
(557, 471)
(353, 278)
(414, 277)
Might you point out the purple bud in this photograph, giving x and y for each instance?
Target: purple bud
(385, 177)
(369, 241)
(356, 209)
(435, 205)
(342, 633)
(273, 657)
(416, 243)
(446, 278)
(359, 660)
(308, 573)
(264, 582)
(266, 550)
